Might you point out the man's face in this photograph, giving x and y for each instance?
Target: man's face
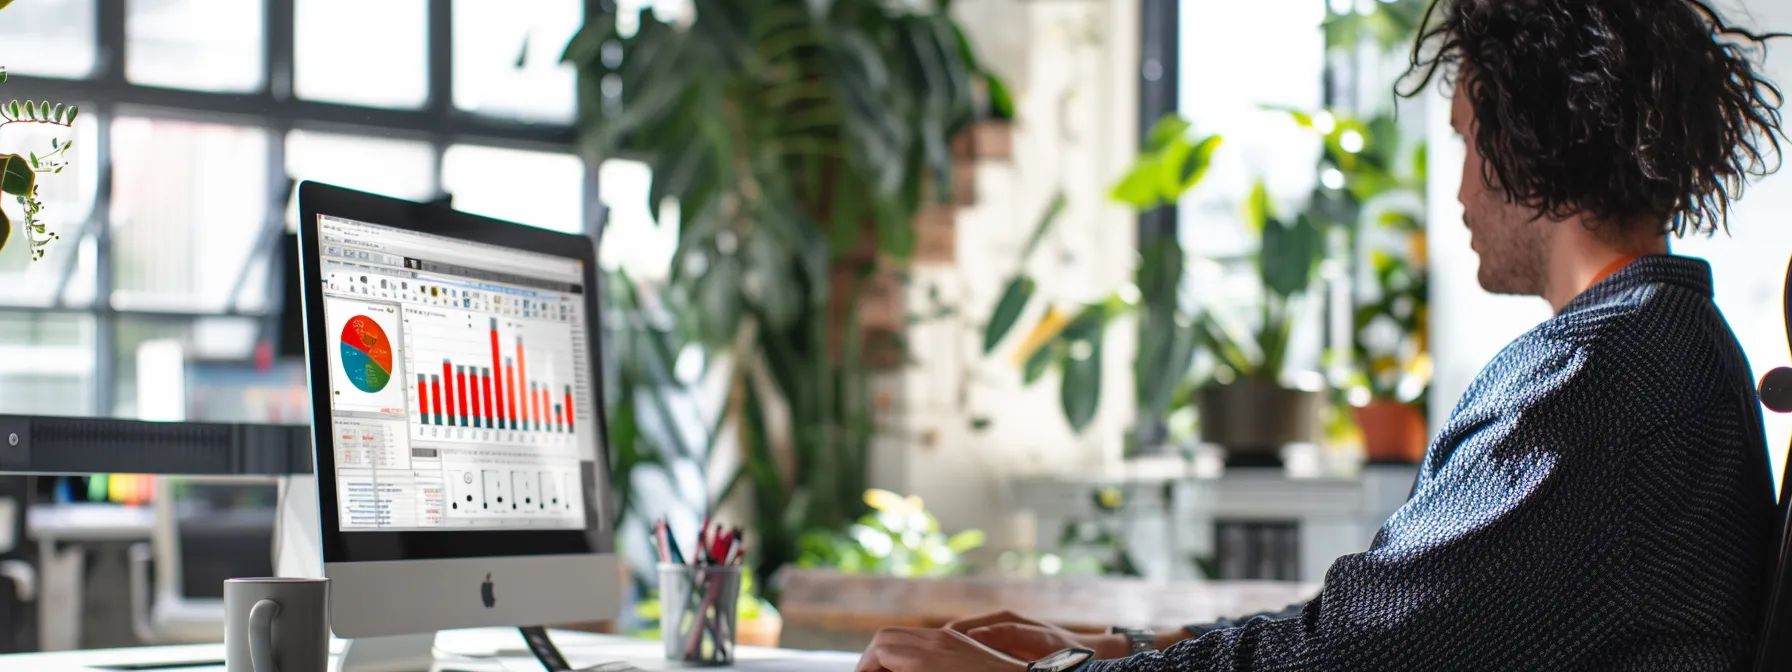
(1508, 237)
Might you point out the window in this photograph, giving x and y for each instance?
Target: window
(361, 53)
(201, 118)
(490, 181)
(49, 38)
(507, 58)
(213, 45)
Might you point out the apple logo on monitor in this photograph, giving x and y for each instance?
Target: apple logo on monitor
(485, 592)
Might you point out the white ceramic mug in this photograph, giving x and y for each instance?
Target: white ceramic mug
(276, 625)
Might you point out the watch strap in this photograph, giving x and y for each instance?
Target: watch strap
(1138, 640)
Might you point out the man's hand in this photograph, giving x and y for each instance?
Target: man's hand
(1028, 639)
(927, 650)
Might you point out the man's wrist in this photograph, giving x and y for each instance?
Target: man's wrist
(1107, 646)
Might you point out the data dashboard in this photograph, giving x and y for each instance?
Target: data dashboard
(460, 386)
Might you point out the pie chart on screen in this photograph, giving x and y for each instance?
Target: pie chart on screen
(366, 354)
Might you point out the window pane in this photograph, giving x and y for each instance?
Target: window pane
(361, 53)
(188, 202)
(68, 200)
(212, 45)
(211, 339)
(1230, 101)
(50, 38)
(534, 188)
(507, 58)
(46, 363)
(399, 168)
(634, 241)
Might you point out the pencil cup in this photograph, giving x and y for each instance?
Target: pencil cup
(697, 612)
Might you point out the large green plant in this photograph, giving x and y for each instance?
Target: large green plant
(799, 138)
(1172, 161)
(18, 173)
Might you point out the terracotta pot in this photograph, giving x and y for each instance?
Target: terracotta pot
(762, 631)
(1253, 418)
(1392, 432)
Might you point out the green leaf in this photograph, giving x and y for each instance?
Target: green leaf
(1168, 128)
(1008, 309)
(1290, 253)
(5, 229)
(1421, 163)
(72, 111)
(1001, 102)
(1080, 394)
(18, 178)
(56, 113)
(3, 4)
(1052, 211)
(966, 540)
(1195, 166)
(1039, 361)
(1139, 187)
(12, 109)
(1258, 207)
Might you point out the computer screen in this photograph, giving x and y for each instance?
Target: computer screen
(459, 387)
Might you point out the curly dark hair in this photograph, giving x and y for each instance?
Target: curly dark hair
(1634, 112)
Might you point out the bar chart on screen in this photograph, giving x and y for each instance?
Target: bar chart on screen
(489, 380)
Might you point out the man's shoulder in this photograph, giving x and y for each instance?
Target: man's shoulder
(1657, 346)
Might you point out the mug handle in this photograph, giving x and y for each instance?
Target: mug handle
(261, 646)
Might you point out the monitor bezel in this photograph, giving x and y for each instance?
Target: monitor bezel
(316, 199)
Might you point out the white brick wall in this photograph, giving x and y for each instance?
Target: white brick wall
(1071, 66)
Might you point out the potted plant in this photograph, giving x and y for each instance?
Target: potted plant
(1246, 407)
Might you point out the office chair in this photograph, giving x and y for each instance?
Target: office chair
(196, 545)
(1775, 653)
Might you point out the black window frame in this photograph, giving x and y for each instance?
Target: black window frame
(274, 109)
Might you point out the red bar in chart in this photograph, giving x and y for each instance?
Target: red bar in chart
(569, 408)
(460, 391)
(510, 386)
(435, 394)
(485, 383)
(473, 391)
(448, 382)
(541, 393)
(498, 388)
(423, 398)
(522, 377)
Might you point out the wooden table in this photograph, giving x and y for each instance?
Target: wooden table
(827, 610)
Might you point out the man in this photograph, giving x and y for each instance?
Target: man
(1601, 497)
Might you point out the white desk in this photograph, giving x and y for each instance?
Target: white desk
(61, 571)
(477, 650)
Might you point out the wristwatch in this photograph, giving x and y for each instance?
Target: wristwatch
(1138, 640)
(1062, 661)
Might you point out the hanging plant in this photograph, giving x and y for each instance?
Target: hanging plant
(18, 173)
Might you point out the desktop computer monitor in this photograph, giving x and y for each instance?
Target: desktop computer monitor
(458, 434)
